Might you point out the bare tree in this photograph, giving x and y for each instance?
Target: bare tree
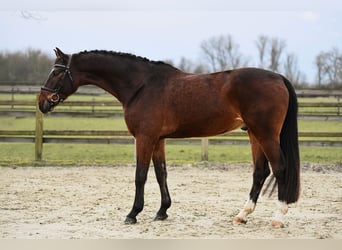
(334, 69)
(329, 67)
(291, 70)
(201, 69)
(261, 44)
(222, 53)
(186, 65)
(319, 65)
(270, 51)
(276, 49)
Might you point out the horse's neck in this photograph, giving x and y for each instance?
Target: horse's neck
(122, 78)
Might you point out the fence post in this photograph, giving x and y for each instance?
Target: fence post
(338, 106)
(93, 105)
(12, 97)
(39, 133)
(204, 149)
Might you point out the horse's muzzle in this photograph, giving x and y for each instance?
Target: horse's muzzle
(48, 101)
(46, 106)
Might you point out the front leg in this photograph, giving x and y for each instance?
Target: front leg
(138, 205)
(144, 148)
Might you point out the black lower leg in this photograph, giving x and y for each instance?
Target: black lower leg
(138, 205)
(161, 174)
(260, 174)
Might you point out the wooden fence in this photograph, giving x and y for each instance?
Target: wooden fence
(307, 110)
(39, 137)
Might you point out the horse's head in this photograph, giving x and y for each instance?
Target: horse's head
(59, 84)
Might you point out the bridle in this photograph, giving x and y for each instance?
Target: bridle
(55, 97)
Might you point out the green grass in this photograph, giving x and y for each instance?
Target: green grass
(319, 126)
(78, 154)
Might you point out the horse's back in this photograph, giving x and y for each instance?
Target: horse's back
(223, 101)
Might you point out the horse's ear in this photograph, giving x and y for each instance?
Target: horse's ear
(59, 53)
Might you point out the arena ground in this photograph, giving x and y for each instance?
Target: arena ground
(92, 202)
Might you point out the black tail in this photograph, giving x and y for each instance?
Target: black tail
(290, 148)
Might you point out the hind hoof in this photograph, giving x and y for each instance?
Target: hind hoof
(239, 221)
(277, 224)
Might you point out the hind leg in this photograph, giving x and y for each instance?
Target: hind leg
(261, 171)
(275, 156)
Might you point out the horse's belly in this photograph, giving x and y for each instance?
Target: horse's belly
(201, 126)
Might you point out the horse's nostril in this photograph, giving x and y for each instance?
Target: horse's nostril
(44, 107)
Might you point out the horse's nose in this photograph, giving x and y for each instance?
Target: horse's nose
(44, 107)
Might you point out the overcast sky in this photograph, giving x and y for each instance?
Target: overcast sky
(171, 29)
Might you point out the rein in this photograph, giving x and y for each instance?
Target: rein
(55, 98)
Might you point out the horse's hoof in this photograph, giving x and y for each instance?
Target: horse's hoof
(239, 221)
(277, 224)
(130, 221)
(161, 217)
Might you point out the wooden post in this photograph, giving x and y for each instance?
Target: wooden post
(204, 149)
(338, 106)
(39, 133)
(12, 98)
(93, 105)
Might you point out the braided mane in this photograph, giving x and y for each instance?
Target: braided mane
(124, 55)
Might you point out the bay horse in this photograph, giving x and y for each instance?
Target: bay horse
(161, 101)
